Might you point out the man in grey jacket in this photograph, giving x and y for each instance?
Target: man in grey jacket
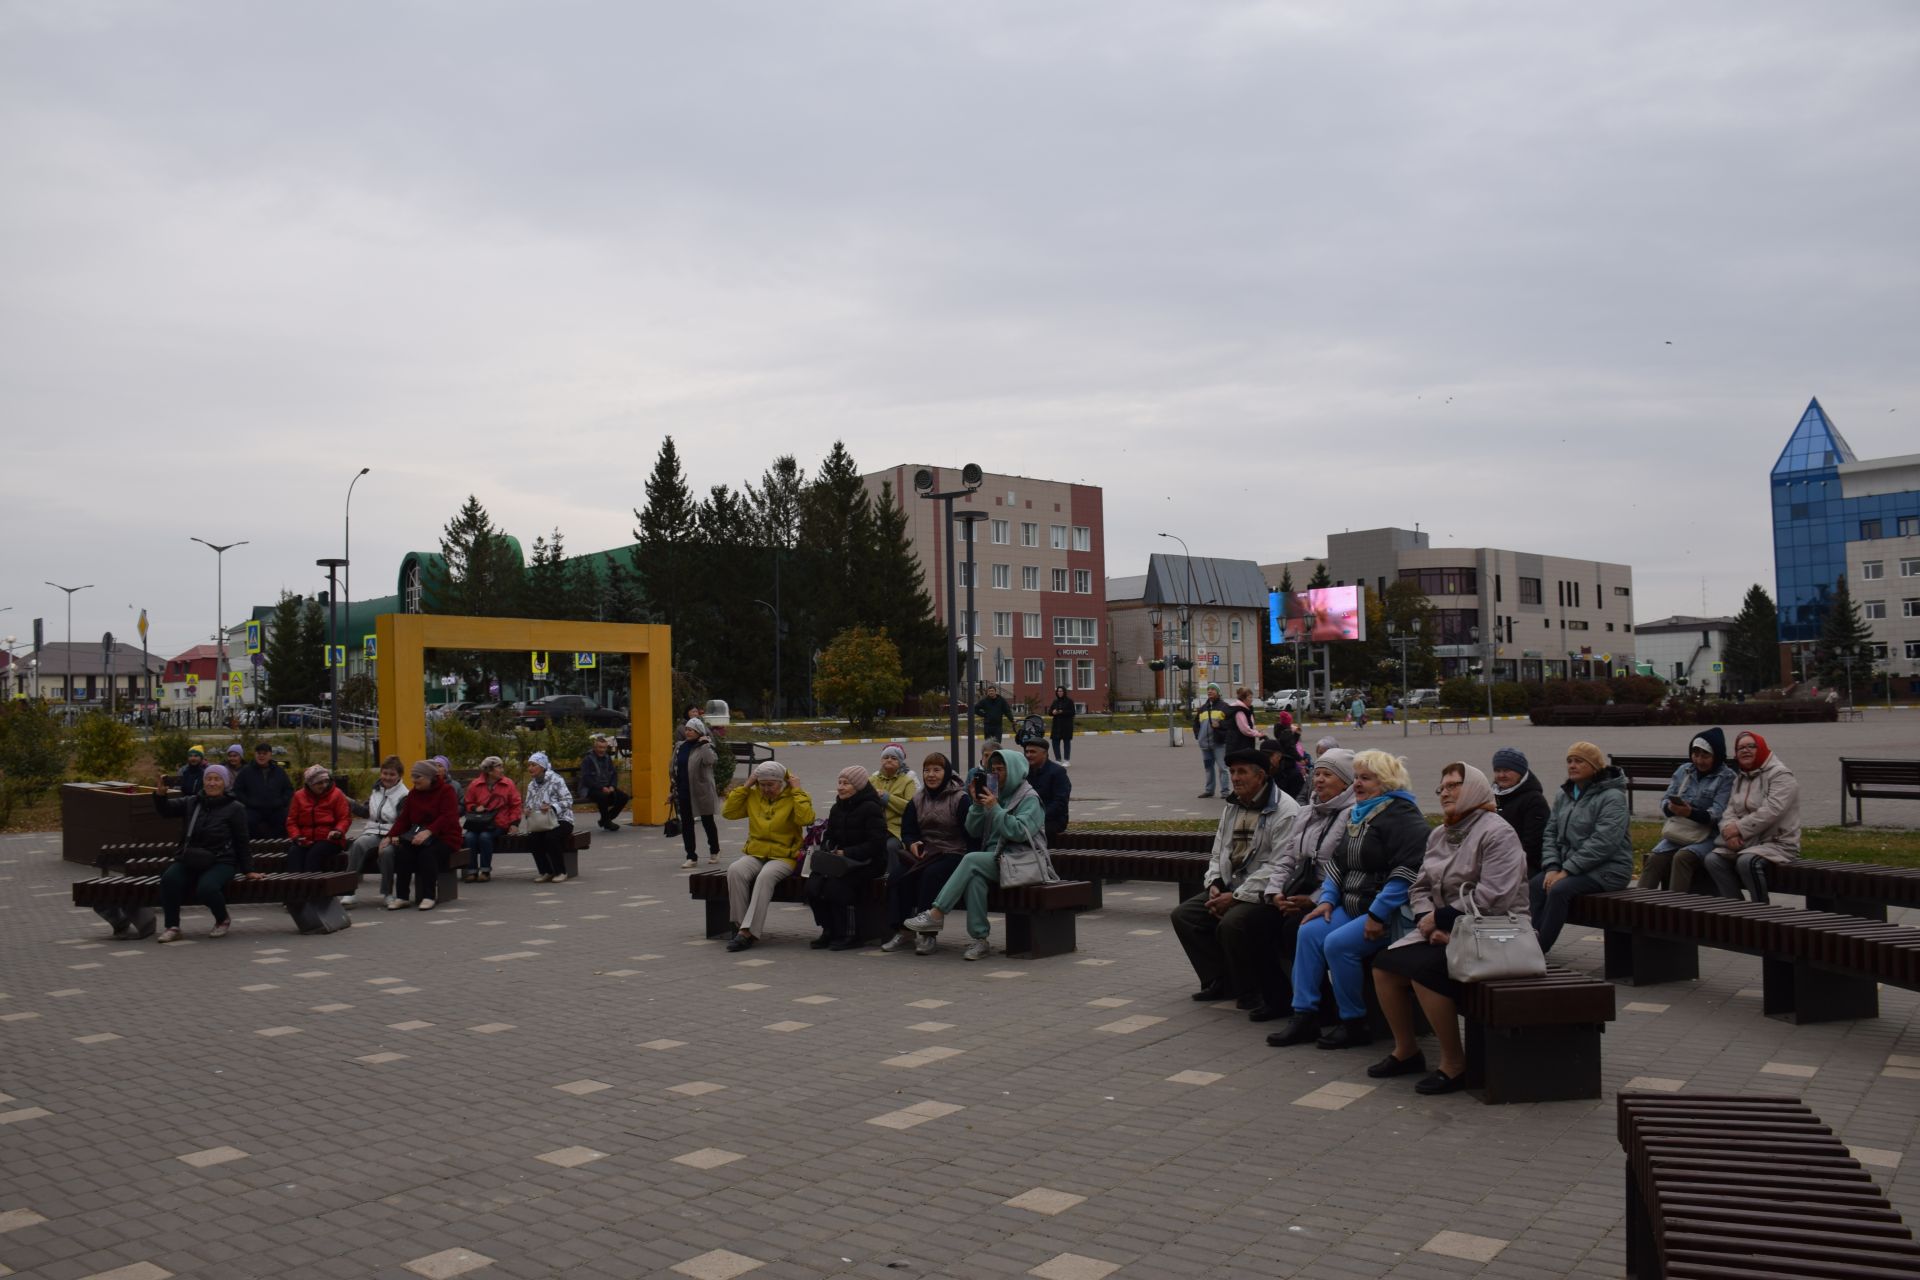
(1228, 929)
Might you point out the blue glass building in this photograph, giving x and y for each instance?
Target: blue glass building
(1824, 498)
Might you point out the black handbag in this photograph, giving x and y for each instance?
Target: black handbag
(478, 822)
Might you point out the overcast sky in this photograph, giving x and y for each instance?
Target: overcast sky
(1554, 277)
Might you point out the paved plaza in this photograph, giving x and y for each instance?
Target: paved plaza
(568, 1080)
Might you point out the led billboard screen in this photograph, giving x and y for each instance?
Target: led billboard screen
(1317, 616)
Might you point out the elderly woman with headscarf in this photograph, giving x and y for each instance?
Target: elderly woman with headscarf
(213, 850)
(491, 806)
(317, 821)
(1473, 858)
(1296, 872)
(852, 851)
(1761, 824)
(694, 793)
(425, 833)
(380, 808)
(896, 785)
(550, 834)
(778, 812)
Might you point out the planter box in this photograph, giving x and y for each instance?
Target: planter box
(93, 814)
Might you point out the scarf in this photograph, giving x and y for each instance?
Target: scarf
(1475, 798)
(1507, 791)
(1760, 748)
(1363, 808)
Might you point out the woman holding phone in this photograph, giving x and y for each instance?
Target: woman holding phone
(1004, 811)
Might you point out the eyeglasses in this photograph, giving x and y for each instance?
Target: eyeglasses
(1447, 787)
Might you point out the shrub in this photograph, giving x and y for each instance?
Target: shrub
(103, 748)
(169, 748)
(33, 754)
(859, 675)
(467, 745)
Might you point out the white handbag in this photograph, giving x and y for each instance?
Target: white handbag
(1482, 947)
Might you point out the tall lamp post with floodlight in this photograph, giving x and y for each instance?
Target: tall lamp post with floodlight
(924, 484)
(971, 521)
(68, 699)
(1403, 643)
(1170, 660)
(336, 658)
(1486, 652)
(219, 620)
(347, 551)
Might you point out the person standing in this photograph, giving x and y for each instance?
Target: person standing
(190, 772)
(1357, 712)
(694, 792)
(1588, 847)
(213, 850)
(425, 832)
(1521, 802)
(317, 821)
(600, 780)
(1209, 729)
(265, 791)
(994, 711)
(549, 796)
(1060, 729)
(1240, 732)
(491, 807)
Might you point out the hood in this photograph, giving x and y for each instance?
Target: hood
(1715, 741)
(1016, 762)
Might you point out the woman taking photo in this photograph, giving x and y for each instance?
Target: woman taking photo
(1005, 813)
(213, 850)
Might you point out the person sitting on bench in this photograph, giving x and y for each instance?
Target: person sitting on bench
(896, 785)
(317, 821)
(1761, 824)
(1005, 812)
(489, 810)
(381, 806)
(778, 811)
(1296, 873)
(933, 839)
(853, 850)
(1588, 848)
(1473, 852)
(1521, 801)
(600, 781)
(1693, 805)
(425, 832)
(213, 850)
(547, 811)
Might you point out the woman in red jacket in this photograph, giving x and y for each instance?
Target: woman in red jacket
(425, 832)
(317, 821)
(492, 806)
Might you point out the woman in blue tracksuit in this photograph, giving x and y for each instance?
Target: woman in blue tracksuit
(1365, 884)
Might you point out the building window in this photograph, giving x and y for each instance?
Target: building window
(1083, 582)
(1576, 626)
(1529, 591)
(1002, 576)
(1910, 608)
(1235, 669)
(1029, 577)
(1001, 531)
(1083, 674)
(1002, 624)
(965, 573)
(1443, 582)
(1455, 626)
(1877, 651)
(1907, 526)
(1003, 669)
(1036, 670)
(1075, 631)
(1063, 672)
(1233, 633)
(1609, 626)
(1030, 625)
(1869, 530)
(1029, 534)
(1623, 591)
(1059, 579)
(1910, 568)
(1872, 570)
(1057, 533)
(1082, 538)
(970, 624)
(1913, 648)
(1873, 610)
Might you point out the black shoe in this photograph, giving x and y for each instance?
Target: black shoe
(740, 941)
(1267, 1013)
(1212, 991)
(844, 944)
(1247, 1002)
(1302, 1028)
(1348, 1033)
(1204, 795)
(1441, 1082)
(822, 942)
(1392, 1066)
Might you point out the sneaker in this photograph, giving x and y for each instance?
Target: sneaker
(925, 923)
(541, 879)
(561, 878)
(898, 942)
(395, 904)
(221, 930)
(712, 859)
(976, 950)
(167, 935)
(690, 862)
(923, 944)
(349, 901)
(426, 904)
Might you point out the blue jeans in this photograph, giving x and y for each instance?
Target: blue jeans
(1207, 767)
(1333, 946)
(481, 842)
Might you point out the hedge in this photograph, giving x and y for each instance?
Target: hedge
(1796, 711)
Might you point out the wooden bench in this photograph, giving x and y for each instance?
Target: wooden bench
(1647, 773)
(1040, 918)
(1727, 1185)
(1816, 966)
(128, 903)
(569, 857)
(152, 859)
(1536, 1039)
(1849, 888)
(1169, 857)
(1869, 779)
(1850, 713)
(1442, 724)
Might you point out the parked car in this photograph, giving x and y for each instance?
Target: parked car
(1421, 698)
(458, 710)
(1293, 700)
(477, 712)
(570, 706)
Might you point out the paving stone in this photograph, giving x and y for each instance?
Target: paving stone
(1127, 1026)
(448, 1263)
(663, 1044)
(1195, 1077)
(696, 1088)
(24, 1114)
(572, 1157)
(788, 1026)
(930, 1026)
(1795, 1069)
(133, 1271)
(491, 1028)
(708, 1158)
(1074, 1266)
(99, 1037)
(212, 1156)
(1877, 1157)
(16, 1219)
(581, 1088)
(377, 1059)
(717, 1264)
(1632, 1006)
(1459, 1244)
(1660, 1084)
(1045, 1200)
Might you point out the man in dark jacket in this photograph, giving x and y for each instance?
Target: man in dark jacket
(994, 710)
(600, 783)
(265, 791)
(1521, 801)
(190, 772)
(1050, 782)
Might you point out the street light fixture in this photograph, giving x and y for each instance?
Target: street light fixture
(219, 619)
(925, 482)
(68, 699)
(347, 552)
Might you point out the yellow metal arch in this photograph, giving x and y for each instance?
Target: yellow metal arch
(404, 638)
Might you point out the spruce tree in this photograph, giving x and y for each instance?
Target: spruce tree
(311, 661)
(897, 599)
(665, 532)
(1844, 635)
(1321, 578)
(282, 652)
(1753, 646)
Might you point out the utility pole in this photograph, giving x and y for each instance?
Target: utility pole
(333, 668)
(219, 620)
(924, 483)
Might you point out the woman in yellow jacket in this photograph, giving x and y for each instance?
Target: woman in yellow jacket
(896, 785)
(778, 812)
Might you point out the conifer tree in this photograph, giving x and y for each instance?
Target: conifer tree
(1753, 646)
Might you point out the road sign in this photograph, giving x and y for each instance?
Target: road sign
(447, 682)
(236, 684)
(585, 661)
(541, 661)
(1718, 668)
(1606, 657)
(193, 683)
(336, 654)
(253, 637)
(370, 647)
(143, 624)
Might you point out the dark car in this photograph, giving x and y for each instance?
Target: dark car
(570, 706)
(480, 713)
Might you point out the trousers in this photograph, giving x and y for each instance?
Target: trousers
(975, 874)
(1332, 947)
(416, 868)
(1214, 770)
(1733, 871)
(1063, 748)
(912, 887)
(1672, 866)
(549, 849)
(1550, 906)
(707, 825)
(368, 846)
(311, 855)
(750, 885)
(209, 888)
(1251, 947)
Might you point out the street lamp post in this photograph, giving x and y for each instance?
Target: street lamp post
(68, 699)
(1167, 668)
(1486, 652)
(924, 482)
(219, 619)
(333, 668)
(970, 519)
(1402, 643)
(776, 653)
(347, 550)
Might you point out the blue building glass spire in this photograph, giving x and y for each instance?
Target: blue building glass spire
(1816, 445)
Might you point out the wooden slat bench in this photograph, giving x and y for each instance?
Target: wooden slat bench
(151, 860)
(1536, 1039)
(1850, 888)
(1869, 779)
(1169, 857)
(1647, 773)
(1730, 1185)
(129, 903)
(1040, 918)
(570, 857)
(1816, 966)
(1442, 724)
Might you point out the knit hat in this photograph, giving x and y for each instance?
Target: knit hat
(1590, 753)
(538, 757)
(315, 773)
(218, 771)
(1337, 761)
(422, 769)
(769, 770)
(895, 750)
(855, 776)
(197, 751)
(698, 726)
(1509, 758)
(446, 765)
(235, 749)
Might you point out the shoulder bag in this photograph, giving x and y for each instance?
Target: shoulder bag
(1482, 947)
(1025, 864)
(1685, 831)
(192, 856)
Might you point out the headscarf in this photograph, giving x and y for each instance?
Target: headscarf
(540, 758)
(1761, 750)
(769, 769)
(445, 764)
(315, 773)
(698, 726)
(218, 771)
(855, 776)
(1476, 795)
(424, 769)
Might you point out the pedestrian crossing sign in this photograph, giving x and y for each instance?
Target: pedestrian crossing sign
(336, 654)
(253, 637)
(371, 649)
(1718, 668)
(585, 661)
(541, 661)
(236, 684)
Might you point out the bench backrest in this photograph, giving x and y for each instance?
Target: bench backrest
(1855, 769)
